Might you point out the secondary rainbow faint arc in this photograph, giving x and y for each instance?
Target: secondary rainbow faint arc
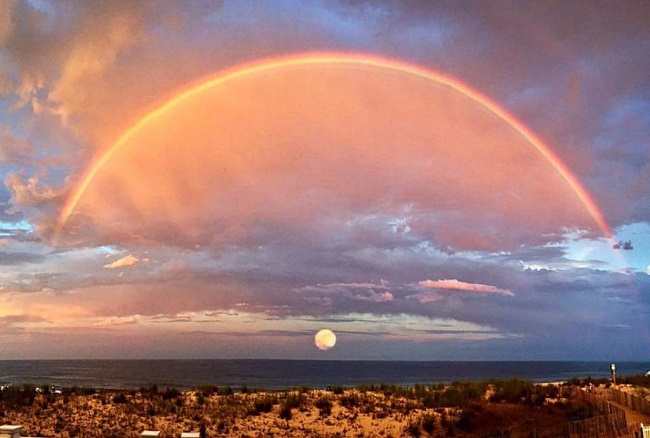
(327, 58)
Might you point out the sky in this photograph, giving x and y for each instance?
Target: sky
(428, 180)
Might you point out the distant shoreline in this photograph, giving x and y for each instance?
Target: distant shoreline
(246, 389)
(549, 361)
(284, 374)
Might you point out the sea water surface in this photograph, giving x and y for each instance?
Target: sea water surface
(284, 374)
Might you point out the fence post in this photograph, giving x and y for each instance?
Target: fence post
(645, 431)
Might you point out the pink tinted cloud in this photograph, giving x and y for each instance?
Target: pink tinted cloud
(457, 186)
(428, 297)
(381, 297)
(129, 260)
(463, 286)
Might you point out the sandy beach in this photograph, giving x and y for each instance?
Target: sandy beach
(462, 409)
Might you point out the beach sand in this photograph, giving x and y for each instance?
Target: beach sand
(462, 410)
(364, 414)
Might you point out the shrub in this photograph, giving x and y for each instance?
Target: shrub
(209, 390)
(119, 398)
(226, 391)
(338, 390)
(264, 404)
(349, 401)
(429, 423)
(171, 393)
(513, 391)
(324, 405)
(285, 411)
(295, 400)
(412, 428)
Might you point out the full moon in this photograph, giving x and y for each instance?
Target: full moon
(325, 339)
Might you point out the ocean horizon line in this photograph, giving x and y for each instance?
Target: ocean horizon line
(334, 360)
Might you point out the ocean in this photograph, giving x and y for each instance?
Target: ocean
(284, 374)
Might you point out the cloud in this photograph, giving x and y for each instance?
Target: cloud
(30, 192)
(476, 198)
(11, 320)
(456, 285)
(101, 35)
(387, 178)
(34, 201)
(338, 287)
(116, 321)
(17, 258)
(13, 150)
(128, 260)
(428, 297)
(376, 293)
(142, 39)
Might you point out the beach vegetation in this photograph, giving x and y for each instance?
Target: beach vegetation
(490, 408)
(295, 400)
(349, 400)
(208, 390)
(412, 428)
(512, 391)
(264, 404)
(337, 390)
(119, 398)
(171, 393)
(428, 422)
(285, 410)
(225, 391)
(636, 380)
(16, 396)
(149, 390)
(84, 390)
(324, 405)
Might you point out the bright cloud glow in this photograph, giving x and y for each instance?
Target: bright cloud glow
(128, 260)
(463, 286)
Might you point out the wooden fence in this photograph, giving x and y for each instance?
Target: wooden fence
(639, 404)
(602, 426)
(612, 424)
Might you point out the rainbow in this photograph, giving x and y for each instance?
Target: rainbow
(310, 59)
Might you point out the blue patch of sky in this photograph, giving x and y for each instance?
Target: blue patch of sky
(11, 228)
(108, 249)
(246, 16)
(10, 117)
(50, 12)
(638, 259)
(423, 38)
(42, 5)
(5, 193)
(635, 107)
